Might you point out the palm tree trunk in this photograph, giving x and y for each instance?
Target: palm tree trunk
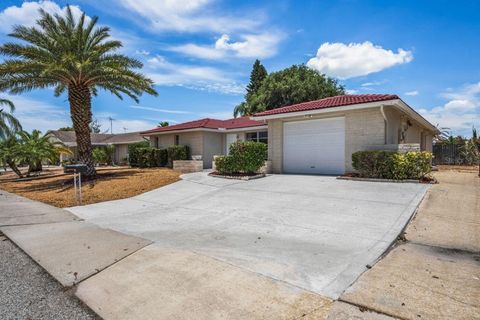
(14, 168)
(79, 98)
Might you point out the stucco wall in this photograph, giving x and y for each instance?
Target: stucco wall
(212, 145)
(121, 152)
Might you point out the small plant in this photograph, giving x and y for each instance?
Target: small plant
(245, 157)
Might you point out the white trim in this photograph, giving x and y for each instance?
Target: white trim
(219, 130)
(246, 129)
(415, 115)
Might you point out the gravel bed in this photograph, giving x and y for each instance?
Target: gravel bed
(29, 292)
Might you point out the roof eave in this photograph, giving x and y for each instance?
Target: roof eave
(324, 110)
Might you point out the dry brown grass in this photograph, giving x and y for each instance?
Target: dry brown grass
(110, 184)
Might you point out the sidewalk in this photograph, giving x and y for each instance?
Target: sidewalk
(125, 277)
(435, 274)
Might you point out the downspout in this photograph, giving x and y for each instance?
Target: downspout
(386, 123)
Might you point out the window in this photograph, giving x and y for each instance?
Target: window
(259, 136)
(177, 140)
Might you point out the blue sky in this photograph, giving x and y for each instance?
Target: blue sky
(200, 52)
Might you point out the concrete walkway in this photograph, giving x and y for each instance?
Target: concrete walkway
(436, 273)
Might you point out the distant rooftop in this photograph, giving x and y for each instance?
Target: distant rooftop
(69, 138)
(207, 123)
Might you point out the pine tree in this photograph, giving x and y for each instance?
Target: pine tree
(258, 74)
(256, 77)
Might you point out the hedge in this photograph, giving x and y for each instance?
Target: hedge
(392, 165)
(179, 152)
(133, 154)
(244, 157)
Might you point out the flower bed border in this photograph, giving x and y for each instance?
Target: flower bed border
(244, 178)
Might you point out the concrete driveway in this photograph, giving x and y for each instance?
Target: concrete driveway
(315, 232)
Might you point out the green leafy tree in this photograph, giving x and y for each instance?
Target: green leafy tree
(8, 123)
(8, 155)
(34, 148)
(258, 74)
(293, 85)
(74, 57)
(66, 129)
(163, 124)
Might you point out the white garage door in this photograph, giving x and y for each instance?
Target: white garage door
(314, 146)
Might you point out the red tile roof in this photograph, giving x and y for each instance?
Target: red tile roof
(207, 123)
(329, 102)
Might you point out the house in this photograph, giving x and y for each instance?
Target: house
(208, 137)
(316, 137)
(120, 141)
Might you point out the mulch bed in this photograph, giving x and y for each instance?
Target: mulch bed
(357, 177)
(109, 184)
(238, 176)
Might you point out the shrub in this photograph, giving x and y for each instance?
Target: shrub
(372, 164)
(392, 165)
(133, 154)
(226, 165)
(146, 157)
(244, 157)
(101, 155)
(179, 152)
(161, 157)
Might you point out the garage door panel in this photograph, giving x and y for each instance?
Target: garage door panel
(314, 146)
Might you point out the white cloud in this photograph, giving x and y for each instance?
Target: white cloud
(28, 13)
(161, 110)
(460, 105)
(460, 112)
(412, 93)
(250, 46)
(351, 91)
(126, 125)
(371, 84)
(142, 52)
(163, 72)
(355, 59)
(41, 115)
(188, 16)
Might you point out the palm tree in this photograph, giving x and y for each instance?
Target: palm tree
(74, 56)
(34, 148)
(8, 123)
(8, 155)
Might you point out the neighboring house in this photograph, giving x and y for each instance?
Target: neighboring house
(316, 137)
(120, 141)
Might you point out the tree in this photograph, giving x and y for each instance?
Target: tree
(74, 57)
(8, 155)
(295, 84)
(163, 124)
(8, 123)
(34, 148)
(95, 126)
(258, 74)
(66, 129)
